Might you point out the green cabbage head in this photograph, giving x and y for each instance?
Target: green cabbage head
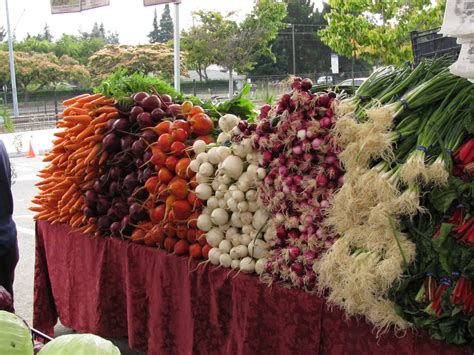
(15, 335)
(79, 344)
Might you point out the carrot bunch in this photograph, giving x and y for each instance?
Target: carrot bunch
(75, 161)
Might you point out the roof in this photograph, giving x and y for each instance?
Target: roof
(212, 75)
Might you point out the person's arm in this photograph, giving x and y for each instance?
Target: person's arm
(6, 198)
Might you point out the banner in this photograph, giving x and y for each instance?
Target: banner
(158, 2)
(67, 6)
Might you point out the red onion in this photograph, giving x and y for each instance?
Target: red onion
(280, 232)
(321, 181)
(324, 204)
(297, 268)
(283, 170)
(316, 143)
(325, 122)
(297, 150)
(293, 252)
(294, 234)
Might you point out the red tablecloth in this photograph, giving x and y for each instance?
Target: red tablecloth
(113, 288)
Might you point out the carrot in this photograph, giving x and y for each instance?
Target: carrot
(100, 119)
(51, 157)
(95, 138)
(78, 111)
(76, 129)
(104, 109)
(94, 151)
(63, 124)
(90, 98)
(88, 185)
(79, 119)
(103, 158)
(64, 158)
(73, 100)
(69, 192)
(113, 115)
(61, 134)
(36, 208)
(85, 133)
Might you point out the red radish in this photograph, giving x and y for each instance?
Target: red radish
(192, 182)
(179, 135)
(182, 209)
(157, 235)
(165, 175)
(169, 230)
(201, 237)
(163, 192)
(172, 218)
(157, 214)
(164, 142)
(178, 148)
(195, 201)
(201, 124)
(181, 247)
(191, 235)
(162, 127)
(195, 250)
(171, 162)
(181, 231)
(182, 167)
(205, 251)
(179, 188)
(169, 244)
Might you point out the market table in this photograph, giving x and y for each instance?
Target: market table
(168, 304)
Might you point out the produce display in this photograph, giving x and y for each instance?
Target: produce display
(79, 344)
(367, 200)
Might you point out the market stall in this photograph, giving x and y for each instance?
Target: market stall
(164, 304)
(188, 226)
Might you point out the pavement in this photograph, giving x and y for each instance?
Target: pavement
(17, 144)
(25, 170)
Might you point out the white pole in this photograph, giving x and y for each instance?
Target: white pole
(16, 113)
(177, 71)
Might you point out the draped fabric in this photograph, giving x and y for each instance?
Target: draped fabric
(167, 304)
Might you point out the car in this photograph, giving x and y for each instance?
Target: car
(327, 79)
(348, 82)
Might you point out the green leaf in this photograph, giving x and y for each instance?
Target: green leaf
(443, 245)
(470, 326)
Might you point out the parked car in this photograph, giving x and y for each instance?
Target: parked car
(348, 82)
(327, 79)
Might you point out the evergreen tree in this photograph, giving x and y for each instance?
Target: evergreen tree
(3, 33)
(46, 35)
(155, 32)
(166, 26)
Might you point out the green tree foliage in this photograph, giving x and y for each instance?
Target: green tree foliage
(234, 46)
(3, 33)
(166, 26)
(46, 35)
(154, 33)
(146, 59)
(379, 31)
(35, 71)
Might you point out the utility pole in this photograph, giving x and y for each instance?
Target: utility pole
(294, 48)
(177, 71)
(16, 113)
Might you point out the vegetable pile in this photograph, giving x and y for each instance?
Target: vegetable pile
(367, 200)
(233, 221)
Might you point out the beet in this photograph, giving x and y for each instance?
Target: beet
(130, 181)
(174, 110)
(115, 229)
(150, 103)
(125, 226)
(122, 160)
(103, 223)
(121, 124)
(147, 156)
(134, 112)
(103, 205)
(97, 186)
(166, 99)
(114, 188)
(120, 209)
(111, 143)
(90, 197)
(139, 97)
(148, 173)
(157, 115)
(89, 212)
(137, 212)
(141, 194)
(139, 147)
(110, 124)
(116, 172)
(149, 135)
(144, 120)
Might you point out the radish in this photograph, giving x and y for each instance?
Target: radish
(214, 255)
(204, 222)
(260, 265)
(225, 260)
(219, 216)
(199, 147)
(233, 166)
(225, 246)
(203, 191)
(247, 265)
(235, 264)
(214, 237)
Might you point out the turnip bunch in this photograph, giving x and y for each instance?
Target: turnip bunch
(297, 151)
(233, 221)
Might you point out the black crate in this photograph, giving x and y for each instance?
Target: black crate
(429, 44)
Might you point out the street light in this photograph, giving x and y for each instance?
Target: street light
(16, 113)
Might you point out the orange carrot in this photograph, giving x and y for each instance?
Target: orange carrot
(74, 99)
(90, 98)
(85, 133)
(103, 158)
(79, 119)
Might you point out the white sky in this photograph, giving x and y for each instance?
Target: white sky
(129, 18)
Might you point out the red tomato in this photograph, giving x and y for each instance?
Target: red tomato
(201, 124)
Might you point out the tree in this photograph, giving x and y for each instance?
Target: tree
(166, 26)
(155, 32)
(46, 35)
(236, 47)
(379, 31)
(147, 59)
(35, 71)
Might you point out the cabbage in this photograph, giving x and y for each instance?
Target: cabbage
(79, 344)
(15, 335)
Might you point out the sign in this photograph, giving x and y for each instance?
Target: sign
(334, 63)
(159, 2)
(67, 6)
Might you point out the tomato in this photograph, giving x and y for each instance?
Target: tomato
(201, 124)
(164, 142)
(162, 127)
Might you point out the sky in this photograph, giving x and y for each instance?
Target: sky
(129, 18)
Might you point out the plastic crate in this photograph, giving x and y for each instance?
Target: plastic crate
(429, 44)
